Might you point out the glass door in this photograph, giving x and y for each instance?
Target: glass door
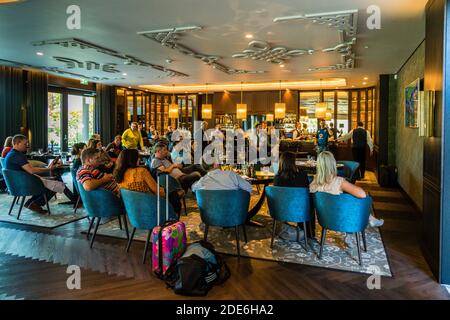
(55, 103)
(80, 121)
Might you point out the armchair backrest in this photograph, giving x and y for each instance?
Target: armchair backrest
(100, 203)
(350, 170)
(343, 213)
(289, 204)
(224, 208)
(141, 209)
(21, 183)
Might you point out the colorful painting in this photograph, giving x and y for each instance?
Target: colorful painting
(412, 104)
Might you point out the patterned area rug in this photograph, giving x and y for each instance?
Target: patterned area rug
(61, 214)
(336, 255)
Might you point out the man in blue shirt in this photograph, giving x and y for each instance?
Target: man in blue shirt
(17, 160)
(323, 134)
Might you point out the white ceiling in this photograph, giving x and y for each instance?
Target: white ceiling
(114, 25)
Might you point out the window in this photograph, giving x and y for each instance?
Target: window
(54, 121)
(80, 119)
(342, 116)
(308, 102)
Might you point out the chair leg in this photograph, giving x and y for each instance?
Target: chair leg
(363, 235)
(298, 232)
(146, 246)
(120, 222)
(237, 243)
(17, 202)
(95, 231)
(12, 206)
(91, 223)
(311, 233)
(46, 203)
(205, 236)
(322, 242)
(359, 248)
(306, 237)
(125, 224)
(131, 239)
(76, 205)
(21, 206)
(273, 232)
(184, 205)
(245, 233)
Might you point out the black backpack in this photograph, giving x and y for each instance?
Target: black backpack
(194, 276)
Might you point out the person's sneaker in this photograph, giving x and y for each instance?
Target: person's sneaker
(375, 223)
(36, 208)
(349, 240)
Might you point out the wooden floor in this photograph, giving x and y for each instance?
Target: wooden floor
(27, 278)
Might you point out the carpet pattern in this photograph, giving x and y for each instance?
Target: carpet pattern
(336, 255)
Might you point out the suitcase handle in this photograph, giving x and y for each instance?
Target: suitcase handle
(158, 207)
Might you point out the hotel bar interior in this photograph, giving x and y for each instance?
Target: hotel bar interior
(225, 150)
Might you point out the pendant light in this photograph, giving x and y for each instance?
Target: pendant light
(206, 108)
(269, 117)
(173, 107)
(321, 107)
(280, 108)
(241, 108)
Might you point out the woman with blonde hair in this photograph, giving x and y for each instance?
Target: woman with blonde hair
(7, 147)
(327, 180)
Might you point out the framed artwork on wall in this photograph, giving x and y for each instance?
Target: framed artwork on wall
(412, 104)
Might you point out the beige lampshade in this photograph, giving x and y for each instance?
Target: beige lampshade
(321, 109)
(206, 111)
(173, 111)
(241, 111)
(280, 110)
(328, 115)
(269, 117)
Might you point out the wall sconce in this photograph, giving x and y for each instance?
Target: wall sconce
(426, 113)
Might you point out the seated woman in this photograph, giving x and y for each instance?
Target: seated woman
(106, 163)
(7, 147)
(326, 180)
(114, 148)
(130, 176)
(77, 149)
(289, 175)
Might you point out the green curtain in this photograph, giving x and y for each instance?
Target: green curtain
(105, 112)
(37, 109)
(11, 102)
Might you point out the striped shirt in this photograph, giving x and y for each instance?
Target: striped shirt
(86, 173)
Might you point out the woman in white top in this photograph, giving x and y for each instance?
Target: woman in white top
(327, 180)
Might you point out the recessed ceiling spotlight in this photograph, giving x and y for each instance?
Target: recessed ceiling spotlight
(249, 36)
(124, 74)
(353, 86)
(129, 87)
(40, 53)
(281, 65)
(366, 78)
(185, 92)
(366, 47)
(364, 83)
(169, 60)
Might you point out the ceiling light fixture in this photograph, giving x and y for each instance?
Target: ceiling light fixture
(281, 65)
(280, 108)
(39, 53)
(366, 78)
(249, 36)
(321, 107)
(206, 107)
(241, 108)
(124, 74)
(173, 107)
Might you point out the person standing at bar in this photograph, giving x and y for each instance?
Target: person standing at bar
(360, 137)
(322, 137)
(132, 138)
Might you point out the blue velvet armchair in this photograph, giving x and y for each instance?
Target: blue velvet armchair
(101, 203)
(22, 184)
(224, 208)
(290, 205)
(343, 213)
(350, 171)
(141, 209)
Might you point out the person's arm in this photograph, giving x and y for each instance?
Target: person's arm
(92, 184)
(35, 170)
(148, 179)
(109, 147)
(346, 137)
(125, 138)
(355, 191)
(369, 142)
(244, 184)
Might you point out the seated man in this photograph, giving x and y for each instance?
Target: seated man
(161, 163)
(91, 177)
(17, 160)
(114, 148)
(222, 180)
(179, 155)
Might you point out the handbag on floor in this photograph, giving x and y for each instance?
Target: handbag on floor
(198, 270)
(168, 239)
